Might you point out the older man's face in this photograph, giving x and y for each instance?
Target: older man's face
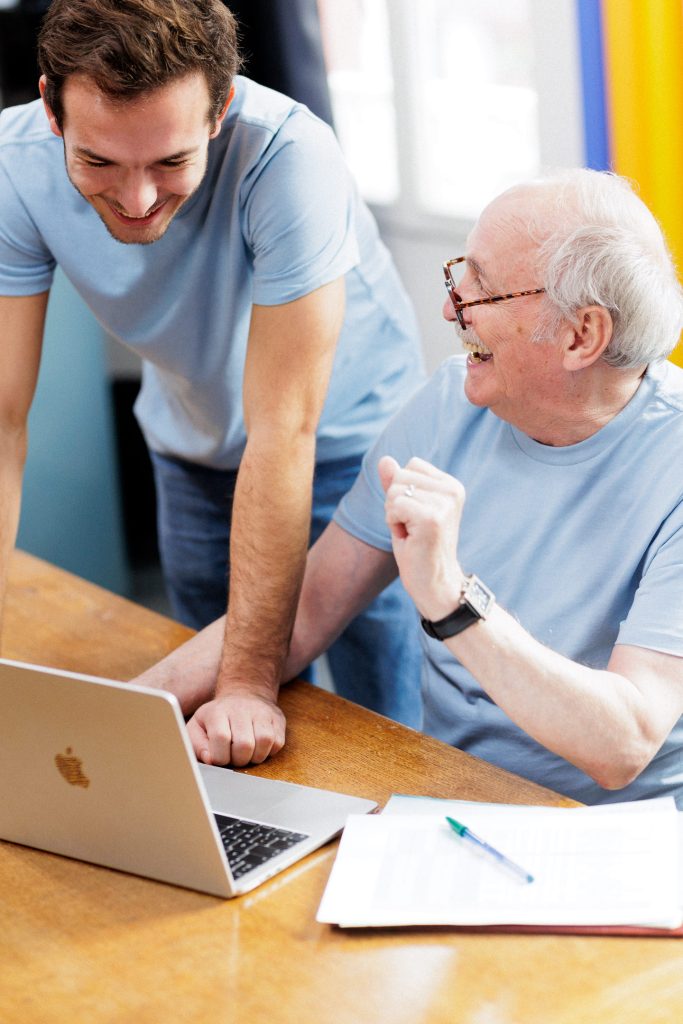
(516, 378)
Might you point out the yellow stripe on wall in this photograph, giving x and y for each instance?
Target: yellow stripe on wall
(644, 94)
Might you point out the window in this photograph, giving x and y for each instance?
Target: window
(440, 105)
(358, 58)
(478, 126)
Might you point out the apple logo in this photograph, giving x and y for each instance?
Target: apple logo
(70, 769)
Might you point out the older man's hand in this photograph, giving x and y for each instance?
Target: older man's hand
(423, 509)
(237, 728)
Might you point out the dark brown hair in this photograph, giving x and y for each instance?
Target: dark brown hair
(128, 47)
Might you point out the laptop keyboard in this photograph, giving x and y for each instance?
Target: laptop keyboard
(249, 844)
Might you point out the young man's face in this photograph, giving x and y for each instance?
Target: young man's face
(136, 162)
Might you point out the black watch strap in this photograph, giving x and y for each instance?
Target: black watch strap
(475, 603)
(452, 624)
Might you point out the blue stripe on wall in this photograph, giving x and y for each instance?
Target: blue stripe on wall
(596, 137)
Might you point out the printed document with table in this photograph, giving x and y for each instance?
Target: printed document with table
(618, 866)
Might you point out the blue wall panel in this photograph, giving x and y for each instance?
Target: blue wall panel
(71, 513)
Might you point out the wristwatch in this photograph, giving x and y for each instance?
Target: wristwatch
(476, 601)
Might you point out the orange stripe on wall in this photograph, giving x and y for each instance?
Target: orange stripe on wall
(644, 94)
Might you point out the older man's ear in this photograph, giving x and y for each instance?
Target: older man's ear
(588, 337)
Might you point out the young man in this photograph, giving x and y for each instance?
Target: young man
(546, 462)
(211, 226)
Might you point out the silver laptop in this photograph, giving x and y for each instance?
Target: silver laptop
(104, 772)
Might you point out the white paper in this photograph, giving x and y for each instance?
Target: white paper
(617, 865)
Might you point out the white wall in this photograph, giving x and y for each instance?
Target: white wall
(419, 254)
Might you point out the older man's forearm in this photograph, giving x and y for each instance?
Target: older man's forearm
(190, 672)
(599, 720)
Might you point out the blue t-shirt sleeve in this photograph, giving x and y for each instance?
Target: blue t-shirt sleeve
(655, 619)
(299, 213)
(412, 431)
(26, 264)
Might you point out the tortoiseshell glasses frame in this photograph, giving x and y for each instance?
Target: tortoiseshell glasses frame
(459, 305)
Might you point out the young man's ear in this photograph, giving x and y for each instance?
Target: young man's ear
(590, 336)
(54, 127)
(219, 119)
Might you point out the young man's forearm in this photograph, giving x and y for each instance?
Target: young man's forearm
(11, 473)
(22, 320)
(269, 539)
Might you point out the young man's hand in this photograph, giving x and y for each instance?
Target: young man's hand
(238, 729)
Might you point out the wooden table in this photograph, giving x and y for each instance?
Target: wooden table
(85, 945)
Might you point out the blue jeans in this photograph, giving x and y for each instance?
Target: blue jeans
(375, 662)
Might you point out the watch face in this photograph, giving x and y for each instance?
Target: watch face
(478, 596)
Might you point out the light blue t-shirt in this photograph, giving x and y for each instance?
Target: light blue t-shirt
(276, 216)
(582, 544)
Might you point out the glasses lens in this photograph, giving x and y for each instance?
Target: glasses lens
(454, 275)
(456, 272)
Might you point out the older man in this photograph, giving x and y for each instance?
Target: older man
(546, 461)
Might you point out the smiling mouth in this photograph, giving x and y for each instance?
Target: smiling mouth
(478, 352)
(125, 218)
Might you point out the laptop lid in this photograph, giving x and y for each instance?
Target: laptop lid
(103, 771)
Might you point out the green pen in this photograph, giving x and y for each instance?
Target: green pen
(464, 832)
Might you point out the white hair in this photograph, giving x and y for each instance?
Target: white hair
(599, 245)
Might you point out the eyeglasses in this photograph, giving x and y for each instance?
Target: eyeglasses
(459, 305)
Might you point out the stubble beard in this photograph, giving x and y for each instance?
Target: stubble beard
(142, 240)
